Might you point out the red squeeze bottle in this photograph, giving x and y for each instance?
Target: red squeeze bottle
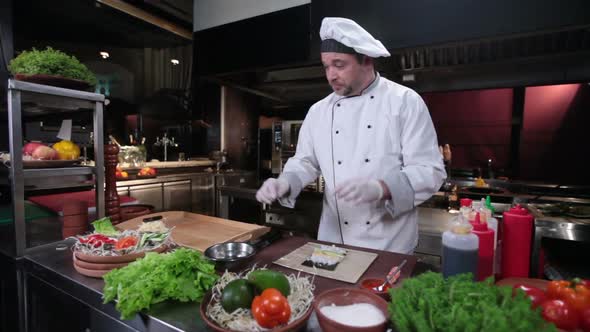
(485, 264)
(517, 234)
(466, 202)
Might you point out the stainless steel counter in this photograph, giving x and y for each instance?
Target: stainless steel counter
(555, 227)
(433, 221)
(199, 162)
(188, 191)
(431, 224)
(305, 217)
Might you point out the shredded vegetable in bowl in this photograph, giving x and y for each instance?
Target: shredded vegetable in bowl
(153, 227)
(300, 300)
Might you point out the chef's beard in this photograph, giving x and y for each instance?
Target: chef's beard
(345, 91)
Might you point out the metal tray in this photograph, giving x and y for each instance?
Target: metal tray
(49, 163)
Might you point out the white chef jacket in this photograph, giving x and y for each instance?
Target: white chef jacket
(385, 133)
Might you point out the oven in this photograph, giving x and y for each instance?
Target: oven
(561, 240)
(303, 220)
(284, 142)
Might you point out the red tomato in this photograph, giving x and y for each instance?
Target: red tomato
(536, 295)
(271, 308)
(561, 314)
(585, 320)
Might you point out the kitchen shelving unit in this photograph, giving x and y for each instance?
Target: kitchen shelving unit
(29, 100)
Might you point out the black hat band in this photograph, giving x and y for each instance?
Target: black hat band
(332, 45)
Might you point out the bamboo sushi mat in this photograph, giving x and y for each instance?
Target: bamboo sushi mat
(350, 269)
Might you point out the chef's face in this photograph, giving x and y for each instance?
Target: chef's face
(346, 75)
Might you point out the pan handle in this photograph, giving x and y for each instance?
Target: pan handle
(154, 218)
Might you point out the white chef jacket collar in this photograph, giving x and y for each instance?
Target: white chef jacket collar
(371, 86)
(366, 90)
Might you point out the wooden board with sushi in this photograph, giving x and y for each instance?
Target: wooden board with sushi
(325, 257)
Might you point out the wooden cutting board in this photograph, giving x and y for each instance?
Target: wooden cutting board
(199, 231)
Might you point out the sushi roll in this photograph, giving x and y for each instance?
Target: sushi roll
(326, 257)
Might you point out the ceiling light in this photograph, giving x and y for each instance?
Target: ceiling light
(104, 54)
(174, 62)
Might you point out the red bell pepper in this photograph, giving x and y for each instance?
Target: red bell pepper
(126, 242)
(97, 240)
(574, 293)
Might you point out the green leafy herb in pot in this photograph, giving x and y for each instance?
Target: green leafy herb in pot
(51, 62)
(431, 303)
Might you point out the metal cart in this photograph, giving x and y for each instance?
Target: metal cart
(29, 100)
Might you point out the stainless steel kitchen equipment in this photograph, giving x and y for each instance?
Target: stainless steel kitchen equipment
(233, 179)
(285, 135)
(563, 221)
(284, 144)
(302, 220)
(220, 158)
(227, 255)
(165, 143)
(33, 100)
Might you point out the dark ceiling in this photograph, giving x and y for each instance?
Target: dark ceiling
(91, 23)
(540, 58)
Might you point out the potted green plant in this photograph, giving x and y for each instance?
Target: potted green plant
(51, 67)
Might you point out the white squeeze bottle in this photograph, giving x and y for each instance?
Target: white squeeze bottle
(494, 224)
(460, 249)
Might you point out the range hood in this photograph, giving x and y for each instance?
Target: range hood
(549, 57)
(435, 46)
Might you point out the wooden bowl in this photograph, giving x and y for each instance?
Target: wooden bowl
(116, 259)
(90, 273)
(293, 326)
(97, 266)
(348, 296)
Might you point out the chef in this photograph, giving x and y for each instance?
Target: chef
(374, 143)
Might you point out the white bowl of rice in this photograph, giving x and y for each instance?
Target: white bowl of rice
(351, 310)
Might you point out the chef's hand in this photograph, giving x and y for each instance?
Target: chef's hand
(360, 190)
(271, 190)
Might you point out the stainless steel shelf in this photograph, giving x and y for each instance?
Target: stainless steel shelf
(29, 99)
(38, 99)
(65, 185)
(65, 171)
(55, 91)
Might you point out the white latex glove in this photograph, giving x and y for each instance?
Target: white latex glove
(271, 190)
(359, 190)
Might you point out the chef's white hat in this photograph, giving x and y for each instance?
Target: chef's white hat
(343, 35)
